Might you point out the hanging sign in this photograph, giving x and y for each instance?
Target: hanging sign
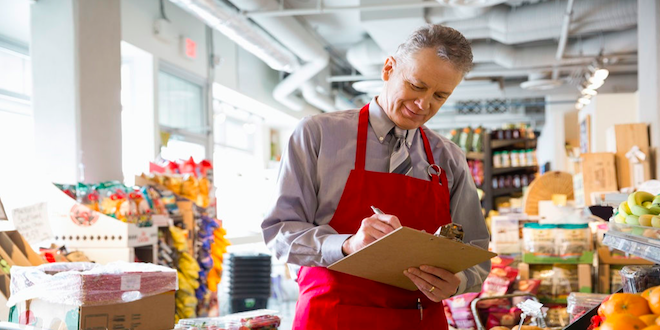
(32, 222)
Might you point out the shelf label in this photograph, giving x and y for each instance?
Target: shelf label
(32, 222)
(130, 283)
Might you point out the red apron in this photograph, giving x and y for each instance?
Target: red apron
(333, 300)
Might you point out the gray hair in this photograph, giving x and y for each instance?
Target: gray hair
(450, 45)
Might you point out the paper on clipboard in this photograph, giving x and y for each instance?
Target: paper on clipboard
(385, 259)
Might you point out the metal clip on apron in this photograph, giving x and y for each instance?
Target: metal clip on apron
(333, 300)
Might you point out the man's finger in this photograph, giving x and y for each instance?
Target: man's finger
(392, 220)
(422, 285)
(444, 274)
(381, 226)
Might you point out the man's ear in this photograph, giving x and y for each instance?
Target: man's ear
(388, 68)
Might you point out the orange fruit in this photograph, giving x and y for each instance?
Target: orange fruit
(652, 327)
(622, 322)
(657, 321)
(647, 292)
(629, 303)
(654, 301)
(649, 319)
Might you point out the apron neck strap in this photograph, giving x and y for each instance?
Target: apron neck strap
(361, 150)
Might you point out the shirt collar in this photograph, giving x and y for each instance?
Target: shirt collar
(382, 124)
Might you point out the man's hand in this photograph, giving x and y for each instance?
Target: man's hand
(372, 228)
(436, 283)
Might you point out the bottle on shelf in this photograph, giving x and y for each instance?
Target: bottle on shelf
(477, 140)
(466, 139)
(522, 154)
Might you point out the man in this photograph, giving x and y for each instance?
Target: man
(339, 164)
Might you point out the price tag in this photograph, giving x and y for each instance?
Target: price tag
(130, 283)
(32, 222)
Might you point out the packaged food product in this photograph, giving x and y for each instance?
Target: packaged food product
(261, 319)
(515, 159)
(539, 239)
(89, 284)
(460, 309)
(639, 278)
(579, 303)
(506, 159)
(572, 240)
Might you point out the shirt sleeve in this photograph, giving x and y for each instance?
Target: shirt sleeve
(289, 229)
(466, 211)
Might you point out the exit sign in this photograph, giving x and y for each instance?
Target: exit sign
(189, 48)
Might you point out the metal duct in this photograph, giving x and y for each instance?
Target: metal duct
(294, 36)
(544, 20)
(366, 57)
(622, 42)
(240, 30)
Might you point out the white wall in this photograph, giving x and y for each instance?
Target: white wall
(550, 147)
(607, 110)
(137, 21)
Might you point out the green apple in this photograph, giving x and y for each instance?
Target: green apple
(655, 222)
(656, 200)
(624, 209)
(639, 197)
(620, 218)
(632, 220)
(645, 220)
(639, 210)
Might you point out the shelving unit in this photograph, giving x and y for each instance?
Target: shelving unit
(490, 146)
(646, 248)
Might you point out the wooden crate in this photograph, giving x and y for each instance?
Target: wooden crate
(620, 139)
(598, 174)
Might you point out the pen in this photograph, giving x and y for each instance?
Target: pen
(376, 210)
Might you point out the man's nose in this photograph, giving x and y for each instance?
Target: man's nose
(423, 102)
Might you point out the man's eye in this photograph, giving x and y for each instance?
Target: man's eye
(416, 87)
(439, 97)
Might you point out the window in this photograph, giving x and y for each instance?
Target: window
(182, 115)
(16, 123)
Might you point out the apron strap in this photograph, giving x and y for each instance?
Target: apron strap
(363, 127)
(434, 170)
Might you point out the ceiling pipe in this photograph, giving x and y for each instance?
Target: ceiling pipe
(563, 37)
(338, 9)
(246, 34)
(290, 33)
(544, 20)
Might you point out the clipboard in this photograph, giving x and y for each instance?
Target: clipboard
(385, 259)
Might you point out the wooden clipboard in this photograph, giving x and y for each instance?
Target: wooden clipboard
(385, 259)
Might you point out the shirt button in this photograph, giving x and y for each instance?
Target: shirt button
(381, 139)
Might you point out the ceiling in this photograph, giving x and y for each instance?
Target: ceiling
(513, 41)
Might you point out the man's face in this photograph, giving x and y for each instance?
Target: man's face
(415, 90)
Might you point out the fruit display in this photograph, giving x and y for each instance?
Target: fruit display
(629, 311)
(639, 215)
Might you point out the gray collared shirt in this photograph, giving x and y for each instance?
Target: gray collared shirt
(315, 167)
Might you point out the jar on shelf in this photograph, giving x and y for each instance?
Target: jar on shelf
(495, 183)
(524, 180)
(529, 153)
(515, 133)
(522, 154)
(515, 160)
(497, 159)
(508, 181)
(506, 159)
(517, 183)
(500, 182)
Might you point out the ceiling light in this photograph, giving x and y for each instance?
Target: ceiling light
(579, 105)
(587, 91)
(595, 84)
(601, 74)
(584, 101)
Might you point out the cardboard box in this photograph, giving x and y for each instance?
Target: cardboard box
(150, 313)
(25, 248)
(605, 257)
(14, 253)
(598, 174)
(620, 139)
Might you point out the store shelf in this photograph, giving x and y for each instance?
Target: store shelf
(505, 170)
(496, 144)
(647, 248)
(475, 155)
(506, 191)
(586, 258)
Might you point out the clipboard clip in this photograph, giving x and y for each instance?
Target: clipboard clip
(452, 231)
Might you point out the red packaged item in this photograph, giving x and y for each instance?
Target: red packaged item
(461, 311)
